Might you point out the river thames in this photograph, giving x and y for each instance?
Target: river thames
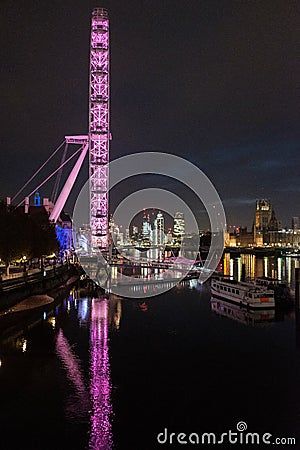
(114, 373)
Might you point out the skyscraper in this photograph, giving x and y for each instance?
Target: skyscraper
(146, 231)
(159, 225)
(179, 224)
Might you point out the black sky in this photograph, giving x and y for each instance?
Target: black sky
(213, 81)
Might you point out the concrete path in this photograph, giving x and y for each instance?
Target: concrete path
(35, 301)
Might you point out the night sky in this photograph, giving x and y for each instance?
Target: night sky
(213, 81)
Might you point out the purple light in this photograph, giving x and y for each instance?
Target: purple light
(100, 387)
(99, 134)
(79, 404)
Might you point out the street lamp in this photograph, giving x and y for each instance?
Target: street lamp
(24, 264)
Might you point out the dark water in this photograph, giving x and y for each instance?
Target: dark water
(113, 373)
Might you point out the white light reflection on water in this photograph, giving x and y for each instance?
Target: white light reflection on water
(279, 267)
(83, 310)
(100, 385)
(78, 404)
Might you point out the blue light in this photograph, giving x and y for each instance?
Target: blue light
(37, 199)
(64, 237)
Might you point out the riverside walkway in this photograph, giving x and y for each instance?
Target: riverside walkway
(36, 282)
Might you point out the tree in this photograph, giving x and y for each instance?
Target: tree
(22, 234)
(42, 235)
(11, 228)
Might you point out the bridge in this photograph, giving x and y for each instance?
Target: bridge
(180, 264)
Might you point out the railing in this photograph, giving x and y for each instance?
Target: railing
(24, 279)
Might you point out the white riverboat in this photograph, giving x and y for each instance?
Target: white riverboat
(242, 293)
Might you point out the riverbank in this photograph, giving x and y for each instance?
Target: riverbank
(29, 310)
(260, 251)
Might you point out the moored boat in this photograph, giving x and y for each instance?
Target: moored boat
(282, 293)
(242, 293)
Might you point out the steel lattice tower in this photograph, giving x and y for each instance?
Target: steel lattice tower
(99, 134)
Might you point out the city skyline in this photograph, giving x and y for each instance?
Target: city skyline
(151, 226)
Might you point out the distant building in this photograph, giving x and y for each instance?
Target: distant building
(48, 205)
(265, 220)
(169, 237)
(296, 223)
(241, 237)
(135, 230)
(63, 230)
(244, 238)
(267, 230)
(146, 229)
(127, 237)
(179, 224)
(283, 238)
(116, 235)
(263, 215)
(120, 239)
(37, 199)
(83, 238)
(158, 235)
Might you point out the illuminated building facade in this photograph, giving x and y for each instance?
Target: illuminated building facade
(263, 215)
(296, 223)
(63, 229)
(158, 232)
(83, 238)
(265, 221)
(147, 229)
(179, 224)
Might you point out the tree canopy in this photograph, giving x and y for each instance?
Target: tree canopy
(22, 234)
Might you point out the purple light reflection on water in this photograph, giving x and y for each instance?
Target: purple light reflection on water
(100, 386)
(78, 405)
